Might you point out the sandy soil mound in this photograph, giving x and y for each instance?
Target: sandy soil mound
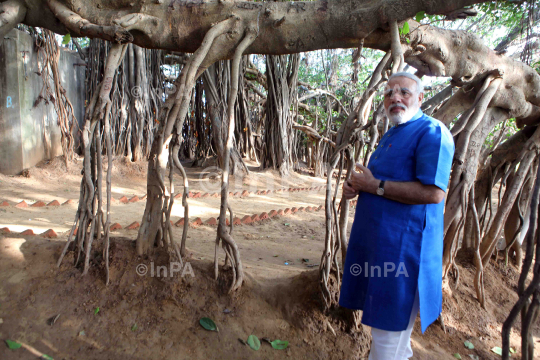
(145, 317)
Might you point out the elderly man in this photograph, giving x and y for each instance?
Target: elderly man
(394, 258)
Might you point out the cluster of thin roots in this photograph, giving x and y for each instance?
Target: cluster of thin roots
(89, 219)
(49, 56)
(349, 137)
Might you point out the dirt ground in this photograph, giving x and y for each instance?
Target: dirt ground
(151, 317)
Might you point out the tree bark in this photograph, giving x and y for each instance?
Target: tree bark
(217, 83)
(282, 76)
(140, 100)
(12, 12)
(169, 25)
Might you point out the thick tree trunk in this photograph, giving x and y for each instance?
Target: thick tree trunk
(152, 227)
(282, 76)
(217, 81)
(140, 101)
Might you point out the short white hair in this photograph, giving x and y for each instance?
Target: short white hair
(419, 86)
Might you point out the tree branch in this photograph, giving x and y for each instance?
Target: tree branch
(79, 49)
(324, 92)
(513, 34)
(12, 12)
(82, 27)
(183, 24)
(312, 133)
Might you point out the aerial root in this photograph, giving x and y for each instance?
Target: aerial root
(89, 217)
(230, 247)
(397, 50)
(174, 114)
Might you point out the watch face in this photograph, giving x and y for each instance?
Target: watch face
(380, 191)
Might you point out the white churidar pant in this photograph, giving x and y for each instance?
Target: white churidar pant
(394, 345)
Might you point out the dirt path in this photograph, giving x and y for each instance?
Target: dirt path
(51, 182)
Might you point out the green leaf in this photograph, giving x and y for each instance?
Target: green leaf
(408, 41)
(512, 351)
(405, 28)
(469, 345)
(457, 356)
(13, 345)
(254, 342)
(497, 350)
(134, 327)
(67, 39)
(420, 16)
(208, 324)
(279, 344)
(96, 311)
(45, 357)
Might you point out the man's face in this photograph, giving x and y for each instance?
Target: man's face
(401, 99)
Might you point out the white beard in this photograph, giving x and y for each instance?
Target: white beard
(401, 117)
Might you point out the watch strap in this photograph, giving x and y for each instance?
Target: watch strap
(380, 190)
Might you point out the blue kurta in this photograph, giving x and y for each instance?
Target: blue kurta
(405, 240)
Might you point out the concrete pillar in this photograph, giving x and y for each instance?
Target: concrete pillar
(11, 157)
(28, 128)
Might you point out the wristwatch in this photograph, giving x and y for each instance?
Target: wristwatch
(380, 189)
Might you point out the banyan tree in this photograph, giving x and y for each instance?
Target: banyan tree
(487, 89)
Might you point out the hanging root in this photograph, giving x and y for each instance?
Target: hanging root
(397, 51)
(471, 124)
(468, 146)
(173, 115)
(12, 12)
(479, 276)
(185, 204)
(524, 305)
(525, 160)
(329, 244)
(89, 217)
(229, 245)
(336, 230)
(480, 104)
(519, 228)
(106, 227)
(49, 50)
(459, 204)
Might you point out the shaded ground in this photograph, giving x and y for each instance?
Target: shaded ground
(144, 317)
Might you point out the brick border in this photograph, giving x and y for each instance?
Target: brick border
(193, 195)
(197, 222)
